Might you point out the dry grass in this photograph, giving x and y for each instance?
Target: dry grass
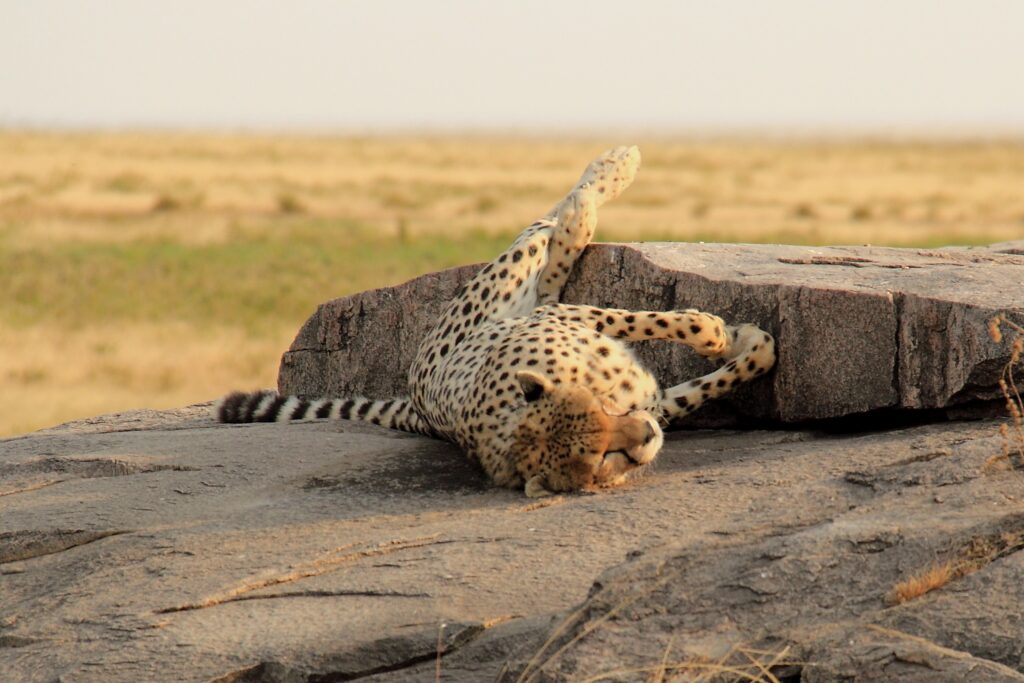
(738, 664)
(108, 187)
(969, 558)
(1013, 432)
(57, 375)
(932, 578)
(190, 260)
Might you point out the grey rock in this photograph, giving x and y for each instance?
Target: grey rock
(363, 344)
(859, 328)
(153, 544)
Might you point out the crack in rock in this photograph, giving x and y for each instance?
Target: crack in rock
(25, 545)
(386, 655)
(318, 567)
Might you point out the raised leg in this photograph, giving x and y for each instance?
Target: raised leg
(749, 354)
(575, 217)
(534, 268)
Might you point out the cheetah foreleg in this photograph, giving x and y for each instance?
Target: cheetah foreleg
(703, 332)
(749, 354)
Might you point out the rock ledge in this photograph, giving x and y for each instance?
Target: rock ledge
(859, 328)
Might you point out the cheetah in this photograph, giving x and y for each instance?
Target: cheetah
(545, 396)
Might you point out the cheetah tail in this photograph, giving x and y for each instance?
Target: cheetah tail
(268, 406)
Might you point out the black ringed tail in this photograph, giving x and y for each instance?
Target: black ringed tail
(269, 406)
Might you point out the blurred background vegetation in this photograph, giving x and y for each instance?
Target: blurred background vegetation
(156, 270)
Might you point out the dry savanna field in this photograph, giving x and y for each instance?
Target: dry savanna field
(156, 270)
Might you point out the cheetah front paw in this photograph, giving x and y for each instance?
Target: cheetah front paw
(611, 173)
(756, 346)
(535, 487)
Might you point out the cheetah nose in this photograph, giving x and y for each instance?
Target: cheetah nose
(649, 434)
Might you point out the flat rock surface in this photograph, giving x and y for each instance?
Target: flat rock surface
(155, 545)
(858, 328)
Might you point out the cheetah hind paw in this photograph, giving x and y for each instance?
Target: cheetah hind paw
(611, 173)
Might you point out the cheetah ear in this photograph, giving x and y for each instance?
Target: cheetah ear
(534, 385)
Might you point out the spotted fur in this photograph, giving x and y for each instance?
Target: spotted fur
(544, 395)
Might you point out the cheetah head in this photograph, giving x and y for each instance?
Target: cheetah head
(569, 439)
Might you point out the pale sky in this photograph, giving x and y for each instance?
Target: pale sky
(783, 66)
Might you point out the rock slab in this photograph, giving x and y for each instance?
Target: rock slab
(859, 329)
(148, 546)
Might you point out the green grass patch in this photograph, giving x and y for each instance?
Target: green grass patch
(258, 280)
(267, 274)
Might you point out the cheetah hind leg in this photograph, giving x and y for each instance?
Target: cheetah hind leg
(610, 174)
(750, 354)
(575, 217)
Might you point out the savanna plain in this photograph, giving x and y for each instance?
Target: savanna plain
(157, 270)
